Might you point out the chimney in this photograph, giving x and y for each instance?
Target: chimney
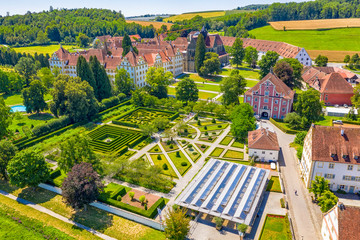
(342, 132)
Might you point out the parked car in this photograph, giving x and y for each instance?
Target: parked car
(336, 105)
(345, 105)
(273, 166)
(338, 122)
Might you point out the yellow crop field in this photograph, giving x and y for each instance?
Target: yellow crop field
(333, 56)
(50, 49)
(186, 16)
(316, 24)
(156, 25)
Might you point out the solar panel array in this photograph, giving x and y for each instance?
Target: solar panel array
(225, 189)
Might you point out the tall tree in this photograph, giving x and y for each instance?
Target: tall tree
(76, 150)
(5, 118)
(177, 224)
(232, 87)
(284, 71)
(251, 56)
(101, 78)
(123, 82)
(34, 97)
(187, 90)
(81, 186)
(355, 100)
(7, 152)
(82, 40)
(321, 61)
(211, 64)
(28, 169)
(46, 77)
(243, 121)
(237, 52)
(84, 73)
(267, 62)
(297, 70)
(158, 81)
(327, 200)
(319, 186)
(200, 51)
(347, 59)
(308, 105)
(126, 44)
(26, 68)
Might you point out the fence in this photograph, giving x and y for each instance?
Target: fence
(119, 212)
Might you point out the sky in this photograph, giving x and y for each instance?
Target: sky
(128, 8)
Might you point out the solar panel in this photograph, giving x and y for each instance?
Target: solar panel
(221, 187)
(253, 192)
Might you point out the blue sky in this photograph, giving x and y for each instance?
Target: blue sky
(129, 8)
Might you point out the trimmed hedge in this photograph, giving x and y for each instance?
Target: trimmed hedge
(120, 191)
(282, 128)
(50, 126)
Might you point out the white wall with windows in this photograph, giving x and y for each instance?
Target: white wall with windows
(264, 155)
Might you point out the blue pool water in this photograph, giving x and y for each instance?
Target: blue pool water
(18, 108)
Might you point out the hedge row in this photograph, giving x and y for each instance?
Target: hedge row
(111, 102)
(282, 128)
(50, 126)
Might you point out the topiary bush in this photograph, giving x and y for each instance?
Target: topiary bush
(219, 126)
(145, 206)
(210, 138)
(206, 133)
(213, 120)
(190, 145)
(184, 164)
(183, 141)
(131, 195)
(199, 122)
(142, 199)
(213, 133)
(203, 146)
(165, 166)
(196, 117)
(171, 146)
(159, 157)
(178, 154)
(119, 198)
(205, 127)
(194, 153)
(168, 142)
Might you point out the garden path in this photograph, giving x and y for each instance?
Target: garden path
(55, 215)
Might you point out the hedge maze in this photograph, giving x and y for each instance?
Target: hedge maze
(141, 115)
(114, 140)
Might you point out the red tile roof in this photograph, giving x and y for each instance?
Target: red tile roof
(349, 223)
(328, 145)
(263, 139)
(280, 86)
(335, 83)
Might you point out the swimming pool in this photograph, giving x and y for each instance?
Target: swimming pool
(18, 108)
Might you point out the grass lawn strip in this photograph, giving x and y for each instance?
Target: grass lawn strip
(251, 83)
(206, 95)
(217, 152)
(203, 149)
(276, 227)
(226, 140)
(234, 154)
(168, 148)
(191, 151)
(155, 149)
(178, 162)
(237, 144)
(95, 218)
(274, 184)
(213, 127)
(170, 171)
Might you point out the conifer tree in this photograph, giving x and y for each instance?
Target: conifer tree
(126, 44)
(101, 78)
(200, 53)
(84, 72)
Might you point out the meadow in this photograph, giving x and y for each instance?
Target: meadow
(316, 24)
(50, 49)
(156, 25)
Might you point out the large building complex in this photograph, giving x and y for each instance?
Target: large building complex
(270, 97)
(284, 50)
(154, 53)
(332, 153)
(228, 190)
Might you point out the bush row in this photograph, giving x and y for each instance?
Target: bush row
(282, 128)
(111, 102)
(51, 125)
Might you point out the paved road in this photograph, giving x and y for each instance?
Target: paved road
(306, 224)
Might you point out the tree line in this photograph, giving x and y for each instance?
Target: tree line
(65, 25)
(10, 57)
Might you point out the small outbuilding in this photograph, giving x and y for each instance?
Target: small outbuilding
(263, 144)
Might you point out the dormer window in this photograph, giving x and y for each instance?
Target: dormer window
(332, 151)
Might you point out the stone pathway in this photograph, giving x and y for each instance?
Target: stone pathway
(55, 215)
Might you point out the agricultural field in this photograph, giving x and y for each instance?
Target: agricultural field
(50, 49)
(157, 25)
(141, 116)
(316, 24)
(186, 16)
(113, 139)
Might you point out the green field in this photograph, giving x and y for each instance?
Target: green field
(43, 49)
(345, 39)
(276, 227)
(179, 162)
(246, 72)
(16, 99)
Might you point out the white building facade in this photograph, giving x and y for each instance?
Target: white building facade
(263, 144)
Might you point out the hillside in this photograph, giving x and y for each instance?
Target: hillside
(156, 25)
(187, 16)
(316, 24)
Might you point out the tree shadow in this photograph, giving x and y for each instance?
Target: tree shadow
(94, 218)
(37, 195)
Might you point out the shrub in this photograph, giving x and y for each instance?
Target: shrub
(51, 126)
(218, 221)
(131, 195)
(145, 206)
(183, 141)
(206, 133)
(178, 154)
(119, 198)
(205, 127)
(213, 120)
(219, 126)
(171, 146)
(159, 157)
(142, 199)
(184, 164)
(299, 152)
(185, 130)
(165, 166)
(194, 153)
(210, 138)
(168, 142)
(299, 139)
(190, 145)
(199, 122)
(203, 146)
(213, 133)
(156, 149)
(196, 117)
(282, 202)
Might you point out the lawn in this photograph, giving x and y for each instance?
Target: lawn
(251, 83)
(238, 144)
(170, 147)
(197, 78)
(226, 140)
(170, 171)
(276, 227)
(155, 149)
(274, 184)
(234, 154)
(208, 87)
(109, 224)
(245, 71)
(217, 152)
(180, 161)
(241, 99)
(50, 49)
(213, 127)
(16, 99)
(141, 145)
(206, 95)
(202, 147)
(345, 39)
(171, 91)
(24, 123)
(193, 153)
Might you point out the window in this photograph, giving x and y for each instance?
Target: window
(320, 164)
(266, 93)
(275, 108)
(283, 109)
(255, 106)
(263, 152)
(276, 101)
(265, 107)
(275, 116)
(248, 98)
(329, 176)
(347, 178)
(350, 167)
(266, 100)
(342, 187)
(271, 153)
(331, 165)
(284, 103)
(256, 99)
